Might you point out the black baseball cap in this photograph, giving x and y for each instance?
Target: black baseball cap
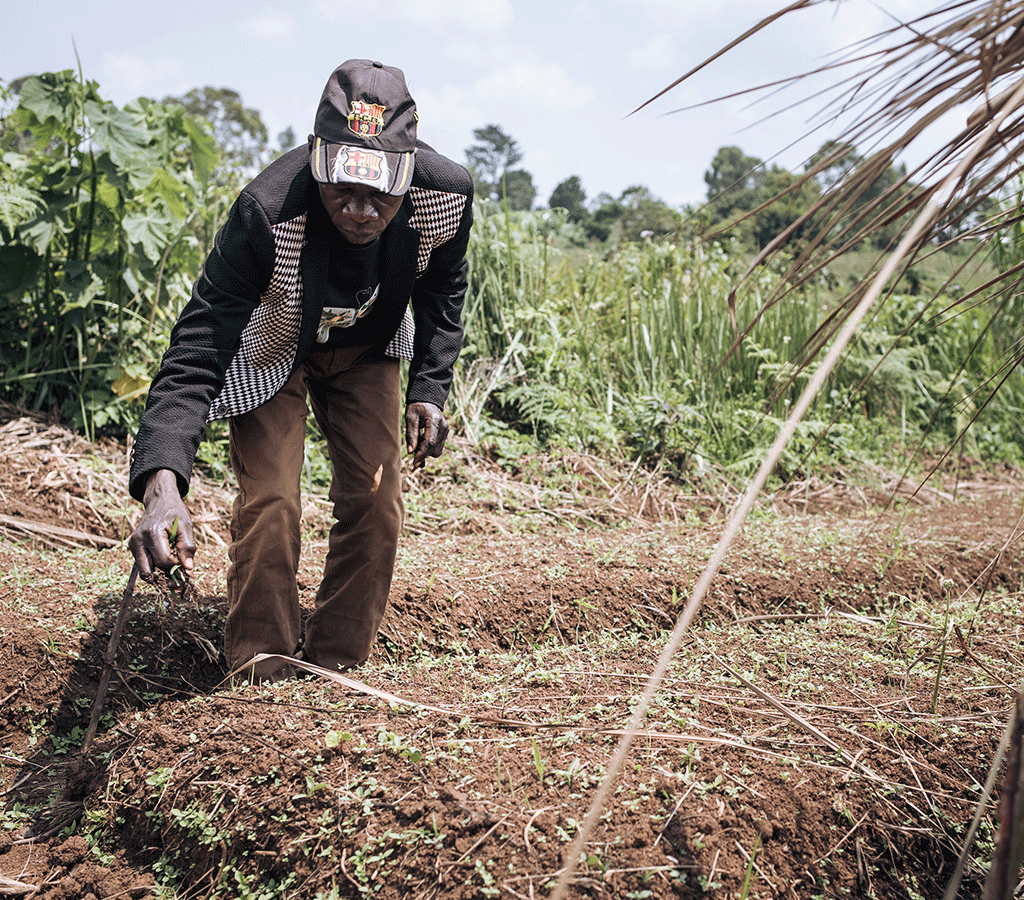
(365, 128)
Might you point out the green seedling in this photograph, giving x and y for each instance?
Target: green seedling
(745, 890)
(177, 578)
(539, 764)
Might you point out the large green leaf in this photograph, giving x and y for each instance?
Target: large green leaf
(171, 190)
(150, 230)
(80, 286)
(18, 267)
(131, 177)
(203, 146)
(52, 97)
(123, 134)
(40, 232)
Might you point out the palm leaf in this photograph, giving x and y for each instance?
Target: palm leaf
(964, 54)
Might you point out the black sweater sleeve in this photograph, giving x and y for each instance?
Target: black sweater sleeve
(438, 299)
(203, 342)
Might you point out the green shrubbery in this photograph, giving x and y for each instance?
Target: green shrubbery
(102, 211)
(623, 348)
(630, 348)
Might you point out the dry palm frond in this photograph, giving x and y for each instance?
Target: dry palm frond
(966, 58)
(966, 55)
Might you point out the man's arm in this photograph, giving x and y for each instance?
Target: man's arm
(439, 294)
(437, 303)
(203, 342)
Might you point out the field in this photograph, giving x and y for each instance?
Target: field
(824, 731)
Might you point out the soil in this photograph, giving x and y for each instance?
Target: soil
(523, 625)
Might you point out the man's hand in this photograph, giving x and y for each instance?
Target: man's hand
(426, 430)
(164, 522)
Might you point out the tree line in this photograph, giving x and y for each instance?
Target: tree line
(748, 200)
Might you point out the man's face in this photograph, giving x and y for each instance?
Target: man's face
(360, 213)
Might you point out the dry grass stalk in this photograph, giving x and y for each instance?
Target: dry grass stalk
(953, 889)
(786, 711)
(1009, 852)
(16, 526)
(11, 888)
(968, 154)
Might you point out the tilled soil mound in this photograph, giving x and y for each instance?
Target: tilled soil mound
(464, 759)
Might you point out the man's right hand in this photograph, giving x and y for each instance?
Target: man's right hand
(164, 521)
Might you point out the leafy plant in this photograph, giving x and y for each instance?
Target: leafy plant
(96, 203)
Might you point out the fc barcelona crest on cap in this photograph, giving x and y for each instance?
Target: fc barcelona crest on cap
(365, 128)
(366, 119)
(353, 164)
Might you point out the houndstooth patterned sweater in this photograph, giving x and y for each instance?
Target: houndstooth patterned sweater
(256, 306)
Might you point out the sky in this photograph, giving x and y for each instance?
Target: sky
(562, 78)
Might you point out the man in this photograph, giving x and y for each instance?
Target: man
(307, 291)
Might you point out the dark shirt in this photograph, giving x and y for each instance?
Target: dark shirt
(353, 283)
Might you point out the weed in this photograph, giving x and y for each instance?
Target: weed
(539, 764)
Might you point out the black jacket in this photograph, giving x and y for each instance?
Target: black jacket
(256, 307)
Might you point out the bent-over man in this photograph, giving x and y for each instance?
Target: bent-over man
(307, 293)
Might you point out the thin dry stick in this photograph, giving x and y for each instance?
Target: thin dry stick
(788, 713)
(480, 840)
(67, 535)
(739, 516)
(108, 663)
(953, 888)
(751, 862)
(526, 830)
(843, 839)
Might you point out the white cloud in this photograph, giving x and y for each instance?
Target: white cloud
(658, 53)
(270, 26)
(437, 16)
(135, 76)
(447, 120)
(543, 85)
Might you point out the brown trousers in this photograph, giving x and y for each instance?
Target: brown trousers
(355, 396)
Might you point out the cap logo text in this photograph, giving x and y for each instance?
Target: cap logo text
(366, 119)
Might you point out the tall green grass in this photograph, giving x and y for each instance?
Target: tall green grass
(628, 348)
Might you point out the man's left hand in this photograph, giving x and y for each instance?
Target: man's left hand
(426, 430)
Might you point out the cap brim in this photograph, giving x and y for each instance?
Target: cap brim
(390, 173)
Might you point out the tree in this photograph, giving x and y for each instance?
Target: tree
(286, 140)
(733, 182)
(644, 215)
(490, 158)
(517, 189)
(832, 161)
(837, 161)
(570, 196)
(634, 215)
(740, 185)
(239, 129)
(788, 197)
